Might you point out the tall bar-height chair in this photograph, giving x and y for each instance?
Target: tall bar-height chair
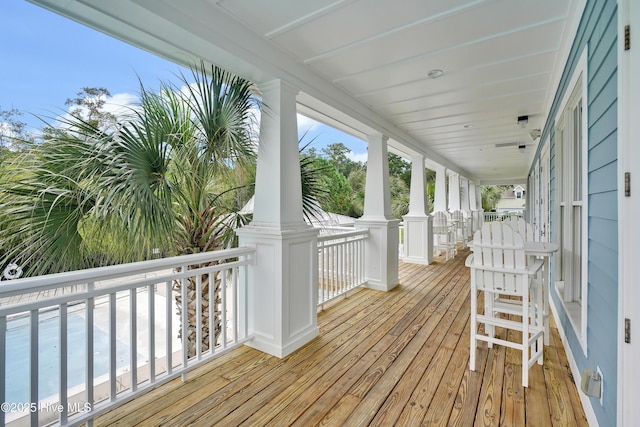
(502, 272)
(443, 235)
(460, 223)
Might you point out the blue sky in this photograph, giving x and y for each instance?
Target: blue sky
(47, 59)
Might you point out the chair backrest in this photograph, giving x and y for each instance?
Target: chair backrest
(457, 216)
(520, 226)
(499, 259)
(439, 222)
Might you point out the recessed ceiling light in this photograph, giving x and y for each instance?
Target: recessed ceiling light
(434, 74)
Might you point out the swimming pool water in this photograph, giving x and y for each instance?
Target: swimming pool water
(18, 351)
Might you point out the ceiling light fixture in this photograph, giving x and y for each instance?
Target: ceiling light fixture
(434, 74)
(523, 120)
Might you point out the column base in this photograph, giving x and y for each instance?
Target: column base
(418, 239)
(282, 287)
(381, 253)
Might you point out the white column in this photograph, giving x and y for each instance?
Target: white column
(465, 205)
(282, 284)
(418, 225)
(472, 196)
(464, 195)
(454, 192)
(381, 250)
(479, 206)
(473, 203)
(440, 196)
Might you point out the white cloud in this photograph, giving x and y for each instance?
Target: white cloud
(305, 124)
(121, 104)
(357, 157)
(6, 133)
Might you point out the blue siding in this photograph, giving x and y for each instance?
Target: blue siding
(598, 33)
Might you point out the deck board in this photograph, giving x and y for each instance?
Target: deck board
(392, 358)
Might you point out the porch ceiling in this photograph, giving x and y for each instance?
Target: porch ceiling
(362, 65)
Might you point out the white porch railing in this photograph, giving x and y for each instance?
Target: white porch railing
(74, 345)
(340, 263)
(501, 216)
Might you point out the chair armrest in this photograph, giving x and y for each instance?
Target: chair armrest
(535, 266)
(469, 261)
(529, 270)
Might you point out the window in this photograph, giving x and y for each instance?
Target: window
(570, 232)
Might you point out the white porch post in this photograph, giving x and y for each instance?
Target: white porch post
(418, 225)
(473, 204)
(283, 281)
(465, 204)
(440, 196)
(454, 192)
(464, 195)
(479, 204)
(381, 250)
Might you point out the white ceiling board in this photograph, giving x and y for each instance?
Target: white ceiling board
(475, 74)
(464, 95)
(365, 22)
(361, 65)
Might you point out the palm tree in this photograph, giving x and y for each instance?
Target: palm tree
(92, 197)
(491, 195)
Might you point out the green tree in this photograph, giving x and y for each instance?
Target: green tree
(13, 131)
(357, 180)
(336, 191)
(337, 154)
(88, 105)
(491, 195)
(399, 196)
(400, 168)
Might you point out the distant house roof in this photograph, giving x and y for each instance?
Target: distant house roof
(512, 192)
(513, 199)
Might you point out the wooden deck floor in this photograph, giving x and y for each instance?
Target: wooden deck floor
(388, 359)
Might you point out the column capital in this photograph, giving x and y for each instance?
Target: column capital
(278, 84)
(377, 137)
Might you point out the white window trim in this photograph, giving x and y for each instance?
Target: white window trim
(579, 318)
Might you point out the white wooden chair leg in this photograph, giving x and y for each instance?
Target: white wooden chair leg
(489, 310)
(540, 322)
(525, 337)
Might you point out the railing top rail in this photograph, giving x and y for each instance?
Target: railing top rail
(335, 227)
(355, 233)
(53, 300)
(51, 281)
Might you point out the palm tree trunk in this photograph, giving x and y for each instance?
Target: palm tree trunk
(193, 313)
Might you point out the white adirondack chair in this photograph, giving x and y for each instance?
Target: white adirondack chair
(499, 269)
(520, 226)
(443, 235)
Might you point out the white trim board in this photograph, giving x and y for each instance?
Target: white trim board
(628, 229)
(577, 375)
